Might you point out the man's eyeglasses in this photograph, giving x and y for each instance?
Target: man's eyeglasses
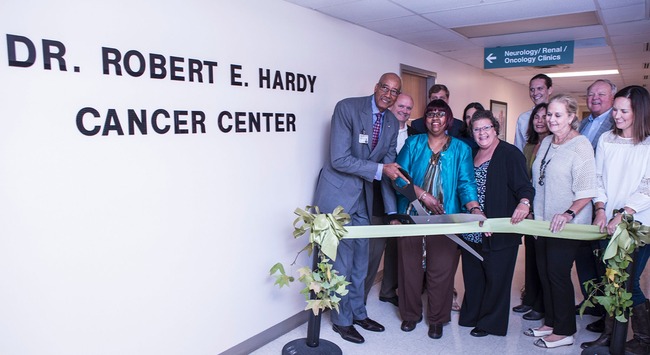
(432, 114)
(385, 89)
(482, 129)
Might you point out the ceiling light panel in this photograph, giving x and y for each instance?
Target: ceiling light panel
(541, 36)
(507, 12)
(407, 24)
(530, 25)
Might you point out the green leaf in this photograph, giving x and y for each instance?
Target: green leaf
(283, 280)
(277, 267)
(326, 230)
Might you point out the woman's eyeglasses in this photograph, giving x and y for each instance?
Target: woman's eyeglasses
(432, 114)
(482, 129)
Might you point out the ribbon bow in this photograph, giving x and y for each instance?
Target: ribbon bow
(628, 235)
(325, 229)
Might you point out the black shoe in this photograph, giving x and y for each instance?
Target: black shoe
(478, 332)
(394, 300)
(597, 326)
(409, 325)
(522, 308)
(348, 333)
(596, 311)
(435, 331)
(603, 340)
(533, 315)
(369, 324)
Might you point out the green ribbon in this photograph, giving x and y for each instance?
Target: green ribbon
(493, 225)
(327, 229)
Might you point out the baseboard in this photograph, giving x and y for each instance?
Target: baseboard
(267, 336)
(278, 330)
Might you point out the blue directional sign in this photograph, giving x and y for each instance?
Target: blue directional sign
(529, 55)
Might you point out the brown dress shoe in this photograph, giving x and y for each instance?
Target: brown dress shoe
(409, 325)
(435, 331)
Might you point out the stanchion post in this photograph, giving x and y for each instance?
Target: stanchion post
(619, 333)
(312, 344)
(313, 325)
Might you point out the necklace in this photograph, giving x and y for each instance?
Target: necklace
(543, 165)
(566, 136)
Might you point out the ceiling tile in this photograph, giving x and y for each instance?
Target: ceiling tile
(399, 25)
(316, 4)
(608, 4)
(430, 36)
(630, 28)
(623, 14)
(365, 11)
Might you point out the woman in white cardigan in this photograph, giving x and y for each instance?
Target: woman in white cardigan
(623, 174)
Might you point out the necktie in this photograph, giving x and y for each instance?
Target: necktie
(376, 127)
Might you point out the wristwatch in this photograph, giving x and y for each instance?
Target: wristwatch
(570, 213)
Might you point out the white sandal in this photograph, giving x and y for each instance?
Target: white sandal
(535, 332)
(554, 344)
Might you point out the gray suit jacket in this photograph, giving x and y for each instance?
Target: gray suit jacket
(351, 166)
(607, 125)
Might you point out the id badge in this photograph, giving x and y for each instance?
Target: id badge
(363, 138)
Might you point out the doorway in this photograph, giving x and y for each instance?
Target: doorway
(415, 82)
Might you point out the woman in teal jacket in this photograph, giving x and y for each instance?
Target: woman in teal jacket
(442, 173)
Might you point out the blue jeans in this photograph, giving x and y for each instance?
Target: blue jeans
(642, 255)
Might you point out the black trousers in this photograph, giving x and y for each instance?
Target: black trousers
(488, 283)
(534, 296)
(555, 258)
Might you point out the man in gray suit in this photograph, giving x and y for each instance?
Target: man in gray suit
(600, 99)
(363, 140)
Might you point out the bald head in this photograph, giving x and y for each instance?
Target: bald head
(402, 109)
(387, 90)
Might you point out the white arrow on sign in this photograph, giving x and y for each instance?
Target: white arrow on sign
(490, 58)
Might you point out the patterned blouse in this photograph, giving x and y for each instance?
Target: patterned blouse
(481, 179)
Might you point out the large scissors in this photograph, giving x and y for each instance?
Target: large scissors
(424, 217)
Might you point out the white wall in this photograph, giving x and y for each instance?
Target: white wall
(161, 243)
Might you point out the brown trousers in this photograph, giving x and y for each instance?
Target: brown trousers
(441, 262)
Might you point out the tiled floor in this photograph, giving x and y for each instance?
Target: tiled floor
(455, 340)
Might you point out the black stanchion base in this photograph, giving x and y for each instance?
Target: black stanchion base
(596, 350)
(300, 347)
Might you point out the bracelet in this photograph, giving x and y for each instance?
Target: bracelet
(474, 208)
(422, 195)
(599, 209)
(525, 202)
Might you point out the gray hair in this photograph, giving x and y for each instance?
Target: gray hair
(606, 81)
(571, 106)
